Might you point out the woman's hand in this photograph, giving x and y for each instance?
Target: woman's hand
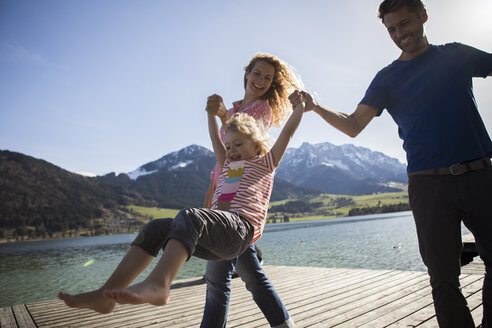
(215, 106)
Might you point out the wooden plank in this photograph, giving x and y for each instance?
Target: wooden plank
(7, 319)
(241, 299)
(314, 297)
(426, 312)
(468, 238)
(367, 301)
(476, 267)
(469, 250)
(474, 300)
(23, 317)
(409, 306)
(381, 303)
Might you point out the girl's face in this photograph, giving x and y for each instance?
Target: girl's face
(239, 147)
(259, 79)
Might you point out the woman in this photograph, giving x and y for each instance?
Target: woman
(268, 81)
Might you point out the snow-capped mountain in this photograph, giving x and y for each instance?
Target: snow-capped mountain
(175, 160)
(340, 169)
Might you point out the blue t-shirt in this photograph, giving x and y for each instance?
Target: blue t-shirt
(431, 99)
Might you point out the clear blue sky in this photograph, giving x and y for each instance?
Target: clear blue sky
(108, 85)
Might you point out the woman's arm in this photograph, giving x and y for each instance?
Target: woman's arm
(215, 106)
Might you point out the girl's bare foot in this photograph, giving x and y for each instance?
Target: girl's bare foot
(92, 300)
(143, 292)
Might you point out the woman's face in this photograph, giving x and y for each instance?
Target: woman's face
(259, 79)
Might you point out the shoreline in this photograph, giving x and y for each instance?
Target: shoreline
(292, 221)
(12, 241)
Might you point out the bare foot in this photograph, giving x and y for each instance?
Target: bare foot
(143, 292)
(92, 300)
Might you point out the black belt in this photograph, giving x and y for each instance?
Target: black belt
(457, 169)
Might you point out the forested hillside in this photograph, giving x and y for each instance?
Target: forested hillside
(39, 199)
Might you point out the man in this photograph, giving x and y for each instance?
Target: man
(428, 92)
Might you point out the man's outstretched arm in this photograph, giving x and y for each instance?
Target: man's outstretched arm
(351, 124)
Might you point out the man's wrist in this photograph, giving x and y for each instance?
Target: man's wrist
(315, 107)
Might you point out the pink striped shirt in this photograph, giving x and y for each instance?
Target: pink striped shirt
(245, 187)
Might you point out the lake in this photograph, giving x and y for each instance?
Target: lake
(36, 271)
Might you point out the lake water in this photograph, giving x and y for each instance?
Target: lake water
(36, 271)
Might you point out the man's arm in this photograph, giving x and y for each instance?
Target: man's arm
(351, 124)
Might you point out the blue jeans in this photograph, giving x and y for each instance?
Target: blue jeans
(218, 277)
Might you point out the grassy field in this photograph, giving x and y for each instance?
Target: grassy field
(375, 200)
(331, 206)
(154, 212)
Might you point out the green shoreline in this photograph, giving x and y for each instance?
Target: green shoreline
(327, 206)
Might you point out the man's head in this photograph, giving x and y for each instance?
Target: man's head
(404, 20)
(388, 6)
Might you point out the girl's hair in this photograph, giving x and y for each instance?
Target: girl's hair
(251, 128)
(285, 81)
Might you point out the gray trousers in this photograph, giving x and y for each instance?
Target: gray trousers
(208, 234)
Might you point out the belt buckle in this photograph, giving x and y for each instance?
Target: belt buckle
(457, 169)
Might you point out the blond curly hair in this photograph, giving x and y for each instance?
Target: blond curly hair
(285, 81)
(249, 127)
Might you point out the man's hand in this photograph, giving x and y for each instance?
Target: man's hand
(298, 97)
(308, 101)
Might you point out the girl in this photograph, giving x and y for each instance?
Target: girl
(220, 233)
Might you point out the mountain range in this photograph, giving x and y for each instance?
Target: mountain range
(36, 193)
(344, 169)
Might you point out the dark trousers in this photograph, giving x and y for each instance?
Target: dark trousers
(439, 204)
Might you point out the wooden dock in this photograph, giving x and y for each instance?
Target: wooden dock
(314, 297)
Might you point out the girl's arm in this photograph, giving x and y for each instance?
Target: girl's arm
(286, 134)
(218, 146)
(215, 107)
